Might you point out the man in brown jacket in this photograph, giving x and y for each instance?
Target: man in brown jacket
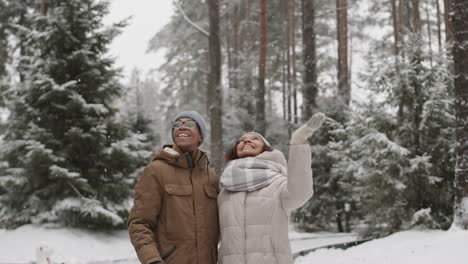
(174, 218)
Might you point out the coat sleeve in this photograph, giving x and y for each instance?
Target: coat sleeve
(299, 187)
(143, 216)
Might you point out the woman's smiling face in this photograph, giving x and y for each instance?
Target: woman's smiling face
(250, 145)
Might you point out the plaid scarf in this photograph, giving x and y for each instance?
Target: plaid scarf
(250, 174)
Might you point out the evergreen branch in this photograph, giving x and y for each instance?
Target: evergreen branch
(75, 189)
(199, 28)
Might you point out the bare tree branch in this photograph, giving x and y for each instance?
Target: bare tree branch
(197, 27)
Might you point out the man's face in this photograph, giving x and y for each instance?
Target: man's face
(187, 138)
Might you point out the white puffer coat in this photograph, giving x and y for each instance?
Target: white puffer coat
(254, 225)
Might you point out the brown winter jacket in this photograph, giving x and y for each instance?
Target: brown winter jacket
(174, 218)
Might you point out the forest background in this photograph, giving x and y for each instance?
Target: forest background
(390, 74)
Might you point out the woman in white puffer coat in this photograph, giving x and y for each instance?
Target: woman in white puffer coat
(259, 189)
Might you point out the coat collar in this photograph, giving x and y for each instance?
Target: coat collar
(274, 155)
(172, 155)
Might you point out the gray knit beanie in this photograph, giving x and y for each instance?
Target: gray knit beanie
(195, 116)
(262, 137)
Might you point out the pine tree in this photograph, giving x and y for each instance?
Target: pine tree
(423, 97)
(67, 158)
(373, 165)
(326, 210)
(386, 187)
(137, 105)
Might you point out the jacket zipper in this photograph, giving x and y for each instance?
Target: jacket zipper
(188, 158)
(194, 209)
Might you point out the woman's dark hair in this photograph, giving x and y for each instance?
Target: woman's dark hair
(231, 153)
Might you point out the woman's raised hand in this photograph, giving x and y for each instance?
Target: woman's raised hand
(301, 135)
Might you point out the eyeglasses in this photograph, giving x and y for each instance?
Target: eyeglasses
(190, 124)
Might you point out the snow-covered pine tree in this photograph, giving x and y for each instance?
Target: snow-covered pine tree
(67, 159)
(422, 99)
(438, 140)
(375, 166)
(12, 12)
(326, 210)
(137, 112)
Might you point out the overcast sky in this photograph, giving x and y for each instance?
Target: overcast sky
(129, 48)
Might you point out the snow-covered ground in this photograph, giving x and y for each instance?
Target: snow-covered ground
(409, 247)
(78, 246)
(303, 241)
(68, 245)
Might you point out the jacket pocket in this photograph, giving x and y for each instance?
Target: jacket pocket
(179, 213)
(169, 253)
(178, 189)
(211, 191)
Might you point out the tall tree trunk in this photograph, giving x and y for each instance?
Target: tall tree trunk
(236, 20)
(292, 37)
(289, 59)
(402, 26)
(439, 35)
(429, 35)
(402, 6)
(230, 38)
(309, 59)
(460, 61)
(448, 23)
(43, 7)
(215, 99)
(260, 106)
(22, 45)
(396, 28)
(246, 70)
(396, 46)
(417, 104)
(416, 17)
(344, 91)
